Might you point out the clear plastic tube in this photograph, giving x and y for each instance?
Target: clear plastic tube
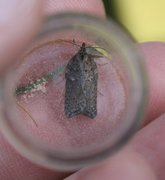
(36, 125)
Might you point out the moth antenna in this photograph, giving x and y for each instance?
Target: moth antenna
(71, 42)
(27, 113)
(102, 64)
(100, 93)
(74, 43)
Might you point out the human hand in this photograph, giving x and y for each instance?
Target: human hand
(142, 158)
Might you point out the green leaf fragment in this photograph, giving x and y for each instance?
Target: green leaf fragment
(34, 85)
(101, 51)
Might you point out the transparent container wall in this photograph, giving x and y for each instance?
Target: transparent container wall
(35, 91)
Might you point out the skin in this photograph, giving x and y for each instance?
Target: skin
(143, 157)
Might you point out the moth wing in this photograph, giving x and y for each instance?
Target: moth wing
(75, 101)
(91, 89)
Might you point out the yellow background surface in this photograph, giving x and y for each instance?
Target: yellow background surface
(144, 19)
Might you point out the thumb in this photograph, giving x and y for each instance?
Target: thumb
(19, 21)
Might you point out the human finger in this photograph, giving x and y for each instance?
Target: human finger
(19, 21)
(126, 165)
(154, 56)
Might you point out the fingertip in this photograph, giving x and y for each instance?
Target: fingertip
(126, 165)
(93, 7)
(153, 53)
(148, 143)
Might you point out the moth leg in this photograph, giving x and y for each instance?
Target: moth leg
(100, 93)
(102, 64)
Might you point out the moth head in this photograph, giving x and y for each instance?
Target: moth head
(82, 51)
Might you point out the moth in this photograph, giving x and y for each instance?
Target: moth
(81, 76)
